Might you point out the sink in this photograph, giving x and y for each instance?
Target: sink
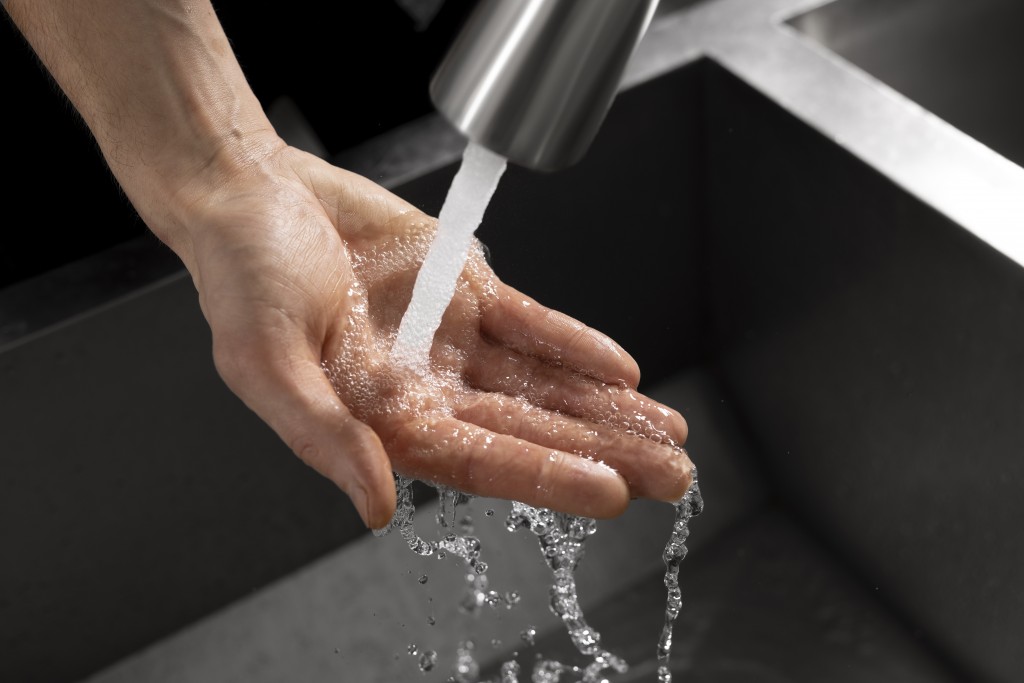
(850, 360)
(959, 60)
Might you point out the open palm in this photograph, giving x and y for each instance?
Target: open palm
(304, 271)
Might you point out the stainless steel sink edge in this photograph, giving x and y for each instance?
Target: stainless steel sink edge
(965, 180)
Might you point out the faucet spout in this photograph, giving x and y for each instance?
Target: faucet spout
(532, 80)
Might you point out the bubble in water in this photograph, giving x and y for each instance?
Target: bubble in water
(467, 670)
(548, 671)
(529, 635)
(431, 620)
(413, 649)
(428, 660)
(489, 513)
(422, 579)
(510, 672)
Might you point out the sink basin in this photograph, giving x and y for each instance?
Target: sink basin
(849, 358)
(959, 60)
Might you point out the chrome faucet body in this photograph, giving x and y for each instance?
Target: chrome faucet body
(532, 80)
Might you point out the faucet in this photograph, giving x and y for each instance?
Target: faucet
(532, 80)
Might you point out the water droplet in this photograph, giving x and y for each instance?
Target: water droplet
(510, 672)
(428, 660)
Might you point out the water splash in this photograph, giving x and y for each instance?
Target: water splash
(467, 670)
(675, 551)
(561, 537)
(509, 672)
(428, 660)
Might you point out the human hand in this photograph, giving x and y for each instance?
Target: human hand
(302, 267)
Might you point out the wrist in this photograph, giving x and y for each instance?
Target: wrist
(172, 191)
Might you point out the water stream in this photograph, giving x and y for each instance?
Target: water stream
(561, 536)
(470, 193)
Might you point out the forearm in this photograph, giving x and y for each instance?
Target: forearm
(158, 85)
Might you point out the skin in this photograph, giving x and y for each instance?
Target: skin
(303, 271)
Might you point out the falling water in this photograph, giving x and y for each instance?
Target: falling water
(463, 209)
(675, 550)
(561, 536)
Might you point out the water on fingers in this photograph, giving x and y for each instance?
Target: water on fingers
(561, 537)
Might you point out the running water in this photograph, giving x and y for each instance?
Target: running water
(463, 209)
(675, 550)
(561, 536)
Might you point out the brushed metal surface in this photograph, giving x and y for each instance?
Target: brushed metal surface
(533, 80)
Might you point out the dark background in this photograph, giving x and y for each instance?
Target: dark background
(313, 53)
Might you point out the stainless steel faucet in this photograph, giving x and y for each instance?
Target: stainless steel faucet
(532, 80)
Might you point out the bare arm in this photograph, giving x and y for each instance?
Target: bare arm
(158, 85)
(303, 271)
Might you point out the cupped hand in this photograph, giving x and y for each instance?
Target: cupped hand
(304, 271)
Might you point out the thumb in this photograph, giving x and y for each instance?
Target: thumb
(290, 392)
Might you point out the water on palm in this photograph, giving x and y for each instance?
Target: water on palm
(561, 537)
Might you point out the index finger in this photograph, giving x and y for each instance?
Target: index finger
(524, 325)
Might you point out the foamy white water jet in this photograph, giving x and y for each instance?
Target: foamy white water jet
(463, 209)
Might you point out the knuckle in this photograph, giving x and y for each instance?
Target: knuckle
(307, 450)
(235, 361)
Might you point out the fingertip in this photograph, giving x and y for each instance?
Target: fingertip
(683, 479)
(613, 502)
(364, 472)
(679, 427)
(379, 507)
(616, 364)
(545, 333)
(605, 493)
(630, 368)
